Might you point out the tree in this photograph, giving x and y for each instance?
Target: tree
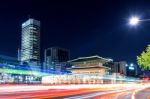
(144, 59)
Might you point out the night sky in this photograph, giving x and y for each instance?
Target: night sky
(84, 27)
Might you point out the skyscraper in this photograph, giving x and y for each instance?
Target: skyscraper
(30, 42)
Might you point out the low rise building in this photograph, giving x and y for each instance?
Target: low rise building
(85, 70)
(90, 65)
(119, 68)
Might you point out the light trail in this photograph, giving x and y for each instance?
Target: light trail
(86, 91)
(4, 89)
(89, 96)
(25, 72)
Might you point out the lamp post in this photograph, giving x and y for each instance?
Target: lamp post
(135, 20)
(131, 68)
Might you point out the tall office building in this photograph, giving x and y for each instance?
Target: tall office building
(30, 42)
(56, 58)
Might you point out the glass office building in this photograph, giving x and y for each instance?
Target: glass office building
(56, 59)
(30, 42)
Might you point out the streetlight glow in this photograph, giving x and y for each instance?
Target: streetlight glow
(131, 64)
(134, 21)
(131, 68)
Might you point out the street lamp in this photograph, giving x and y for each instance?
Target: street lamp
(131, 64)
(132, 67)
(134, 20)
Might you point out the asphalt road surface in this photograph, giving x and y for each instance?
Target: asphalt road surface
(48, 92)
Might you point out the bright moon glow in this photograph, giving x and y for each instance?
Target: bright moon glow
(134, 20)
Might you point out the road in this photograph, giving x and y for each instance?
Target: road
(119, 94)
(73, 92)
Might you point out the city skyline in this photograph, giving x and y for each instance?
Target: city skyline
(93, 49)
(80, 28)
